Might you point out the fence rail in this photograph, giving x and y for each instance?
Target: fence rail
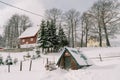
(16, 50)
(104, 57)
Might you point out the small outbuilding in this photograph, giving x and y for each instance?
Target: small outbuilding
(72, 58)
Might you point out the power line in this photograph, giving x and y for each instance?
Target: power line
(21, 9)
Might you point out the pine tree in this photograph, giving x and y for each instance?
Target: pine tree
(62, 38)
(48, 38)
(53, 37)
(42, 36)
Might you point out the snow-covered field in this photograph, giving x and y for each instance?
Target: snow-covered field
(108, 69)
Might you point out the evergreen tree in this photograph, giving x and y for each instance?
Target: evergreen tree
(62, 38)
(48, 38)
(53, 37)
(42, 35)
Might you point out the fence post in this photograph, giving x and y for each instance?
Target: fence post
(43, 61)
(46, 65)
(8, 68)
(47, 60)
(30, 65)
(100, 57)
(20, 65)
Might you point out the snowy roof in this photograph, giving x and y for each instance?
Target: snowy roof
(32, 31)
(80, 58)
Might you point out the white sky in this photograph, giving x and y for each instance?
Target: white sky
(39, 6)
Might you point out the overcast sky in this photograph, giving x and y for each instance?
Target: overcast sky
(39, 6)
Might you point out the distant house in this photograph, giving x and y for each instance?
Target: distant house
(29, 37)
(71, 58)
(94, 42)
(1, 48)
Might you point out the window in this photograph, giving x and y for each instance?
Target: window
(23, 40)
(31, 39)
(26, 42)
(67, 54)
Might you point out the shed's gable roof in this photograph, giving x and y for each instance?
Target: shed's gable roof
(29, 32)
(80, 58)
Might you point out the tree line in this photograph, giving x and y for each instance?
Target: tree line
(100, 21)
(13, 29)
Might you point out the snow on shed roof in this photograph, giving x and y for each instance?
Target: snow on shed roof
(31, 31)
(80, 58)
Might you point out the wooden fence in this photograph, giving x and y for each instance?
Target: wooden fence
(104, 57)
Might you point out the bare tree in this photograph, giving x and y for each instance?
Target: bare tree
(54, 15)
(72, 18)
(107, 14)
(87, 24)
(13, 30)
(82, 33)
(24, 23)
(2, 41)
(96, 17)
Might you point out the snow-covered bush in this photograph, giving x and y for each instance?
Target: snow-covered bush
(8, 60)
(50, 66)
(1, 60)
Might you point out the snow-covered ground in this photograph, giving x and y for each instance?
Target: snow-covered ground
(108, 69)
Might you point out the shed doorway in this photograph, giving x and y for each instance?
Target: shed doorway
(67, 62)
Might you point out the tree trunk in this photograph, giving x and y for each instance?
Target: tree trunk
(69, 35)
(105, 30)
(81, 43)
(100, 35)
(106, 35)
(99, 28)
(72, 33)
(42, 50)
(86, 35)
(75, 42)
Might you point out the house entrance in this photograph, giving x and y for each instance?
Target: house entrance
(67, 62)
